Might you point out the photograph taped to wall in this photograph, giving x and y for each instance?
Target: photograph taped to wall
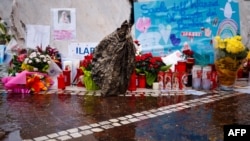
(64, 23)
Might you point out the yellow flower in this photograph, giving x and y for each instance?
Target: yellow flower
(221, 44)
(231, 45)
(248, 55)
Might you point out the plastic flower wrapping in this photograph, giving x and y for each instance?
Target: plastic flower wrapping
(37, 82)
(36, 61)
(16, 61)
(86, 67)
(31, 70)
(27, 82)
(150, 65)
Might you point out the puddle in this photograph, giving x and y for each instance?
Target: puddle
(11, 131)
(13, 136)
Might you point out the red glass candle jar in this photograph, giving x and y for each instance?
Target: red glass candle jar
(67, 74)
(181, 66)
(141, 81)
(61, 82)
(132, 82)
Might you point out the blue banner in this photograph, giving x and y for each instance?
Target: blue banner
(165, 26)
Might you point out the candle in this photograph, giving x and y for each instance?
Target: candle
(196, 76)
(67, 74)
(181, 66)
(141, 81)
(206, 77)
(156, 86)
(132, 82)
(61, 82)
(67, 67)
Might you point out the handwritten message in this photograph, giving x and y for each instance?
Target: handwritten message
(195, 23)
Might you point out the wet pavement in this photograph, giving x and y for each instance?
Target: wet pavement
(144, 115)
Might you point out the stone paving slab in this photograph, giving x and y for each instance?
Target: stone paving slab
(141, 115)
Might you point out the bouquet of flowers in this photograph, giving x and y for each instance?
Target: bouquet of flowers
(85, 64)
(229, 53)
(16, 61)
(37, 82)
(150, 65)
(36, 61)
(86, 67)
(53, 53)
(27, 82)
(187, 53)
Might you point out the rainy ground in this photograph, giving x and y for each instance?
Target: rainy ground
(142, 115)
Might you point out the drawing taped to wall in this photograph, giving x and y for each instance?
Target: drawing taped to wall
(164, 26)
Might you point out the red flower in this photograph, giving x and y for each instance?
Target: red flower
(21, 57)
(37, 82)
(188, 53)
(137, 42)
(86, 62)
(146, 62)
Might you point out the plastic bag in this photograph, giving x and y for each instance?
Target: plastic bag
(88, 81)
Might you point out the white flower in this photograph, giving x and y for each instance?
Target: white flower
(47, 56)
(42, 56)
(26, 60)
(35, 69)
(30, 61)
(49, 62)
(33, 55)
(38, 60)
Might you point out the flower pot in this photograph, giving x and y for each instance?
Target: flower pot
(227, 69)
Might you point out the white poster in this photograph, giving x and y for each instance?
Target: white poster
(64, 23)
(79, 50)
(37, 35)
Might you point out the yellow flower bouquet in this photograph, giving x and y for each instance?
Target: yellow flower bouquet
(229, 53)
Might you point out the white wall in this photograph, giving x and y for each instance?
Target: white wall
(94, 18)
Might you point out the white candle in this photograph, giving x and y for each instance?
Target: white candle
(156, 86)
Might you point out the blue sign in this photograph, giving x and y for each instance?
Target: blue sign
(164, 26)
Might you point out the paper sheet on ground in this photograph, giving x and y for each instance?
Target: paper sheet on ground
(243, 89)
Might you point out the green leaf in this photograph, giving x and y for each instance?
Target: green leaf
(138, 70)
(165, 68)
(150, 78)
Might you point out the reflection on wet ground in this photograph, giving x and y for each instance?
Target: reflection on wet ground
(134, 116)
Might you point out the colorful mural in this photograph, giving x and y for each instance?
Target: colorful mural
(164, 26)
